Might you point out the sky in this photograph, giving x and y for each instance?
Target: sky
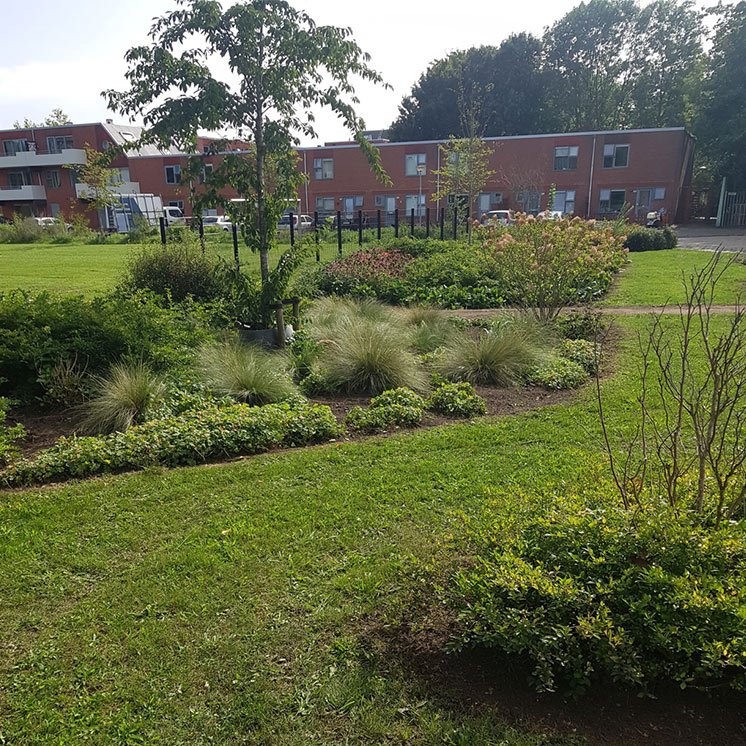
(67, 53)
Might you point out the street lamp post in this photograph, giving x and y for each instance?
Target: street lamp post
(421, 168)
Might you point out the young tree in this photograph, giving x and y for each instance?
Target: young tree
(100, 180)
(280, 65)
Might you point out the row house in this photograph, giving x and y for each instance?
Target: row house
(592, 174)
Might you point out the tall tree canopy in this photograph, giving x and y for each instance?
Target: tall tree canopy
(720, 125)
(504, 83)
(55, 119)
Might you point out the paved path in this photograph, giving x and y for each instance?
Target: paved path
(705, 238)
(487, 313)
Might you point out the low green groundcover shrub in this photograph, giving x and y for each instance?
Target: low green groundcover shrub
(191, 438)
(558, 373)
(8, 435)
(456, 400)
(651, 239)
(586, 595)
(581, 351)
(399, 407)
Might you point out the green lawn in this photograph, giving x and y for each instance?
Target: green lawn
(225, 604)
(655, 278)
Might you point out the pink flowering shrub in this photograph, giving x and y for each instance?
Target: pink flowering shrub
(372, 273)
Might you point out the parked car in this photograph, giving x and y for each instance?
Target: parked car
(173, 215)
(217, 221)
(302, 222)
(53, 223)
(498, 217)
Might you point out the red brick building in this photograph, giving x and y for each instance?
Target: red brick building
(594, 173)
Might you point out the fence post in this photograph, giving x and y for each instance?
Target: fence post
(359, 227)
(442, 220)
(427, 222)
(201, 226)
(296, 312)
(339, 232)
(234, 230)
(316, 233)
(280, 322)
(396, 222)
(162, 224)
(378, 224)
(455, 220)
(292, 229)
(411, 222)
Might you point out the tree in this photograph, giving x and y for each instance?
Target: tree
(719, 125)
(464, 170)
(100, 180)
(56, 119)
(506, 80)
(589, 57)
(668, 61)
(280, 65)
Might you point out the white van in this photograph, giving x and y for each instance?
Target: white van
(173, 215)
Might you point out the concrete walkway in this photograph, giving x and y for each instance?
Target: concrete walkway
(709, 238)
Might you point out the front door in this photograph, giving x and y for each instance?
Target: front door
(484, 204)
(643, 202)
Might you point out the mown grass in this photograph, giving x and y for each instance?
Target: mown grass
(224, 604)
(655, 278)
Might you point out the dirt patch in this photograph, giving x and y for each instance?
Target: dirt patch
(43, 430)
(479, 682)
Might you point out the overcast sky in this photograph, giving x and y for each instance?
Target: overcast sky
(64, 54)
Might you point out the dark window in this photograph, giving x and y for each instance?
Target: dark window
(566, 158)
(616, 156)
(53, 179)
(612, 200)
(173, 174)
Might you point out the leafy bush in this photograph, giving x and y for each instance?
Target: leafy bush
(581, 351)
(399, 407)
(9, 434)
(362, 349)
(558, 373)
(586, 324)
(40, 331)
(456, 400)
(651, 239)
(486, 295)
(587, 595)
(191, 438)
(25, 230)
(246, 372)
(122, 398)
(176, 270)
(500, 356)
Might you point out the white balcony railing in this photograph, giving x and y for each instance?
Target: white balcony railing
(39, 158)
(27, 192)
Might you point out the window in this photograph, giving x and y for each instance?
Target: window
(659, 193)
(387, 202)
(350, 204)
(564, 202)
(616, 156)
(566, 158)
(325, 204)
(413, 161)
(120, 175)
(17, 179)
(11, 147)
(53, 179)
(612, 200)
(74, 177)
(177, 203)
(173, 174)
(530, 201)
(323, 168)
(206, 171)
(59, 143)
(415, 202)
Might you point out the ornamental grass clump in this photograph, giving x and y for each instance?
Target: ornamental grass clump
(122, 398)
(245, 372)
(429, 328)
(498, 357)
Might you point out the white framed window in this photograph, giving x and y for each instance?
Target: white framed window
(564, 202)
(207, 169)
(612, 200)
(177, 203)
(415, 202)
(616, 156)
(413, 162)
(11, 147)
(325, 204)
(323, 168)
(566, 158)
(350, 204)
(53, 179)
(173, 174)
(529, 200)
(58, 143)
(659, 193)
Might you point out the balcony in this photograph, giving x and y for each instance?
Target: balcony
(125, 187)
(25, 193)
(40, 158)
